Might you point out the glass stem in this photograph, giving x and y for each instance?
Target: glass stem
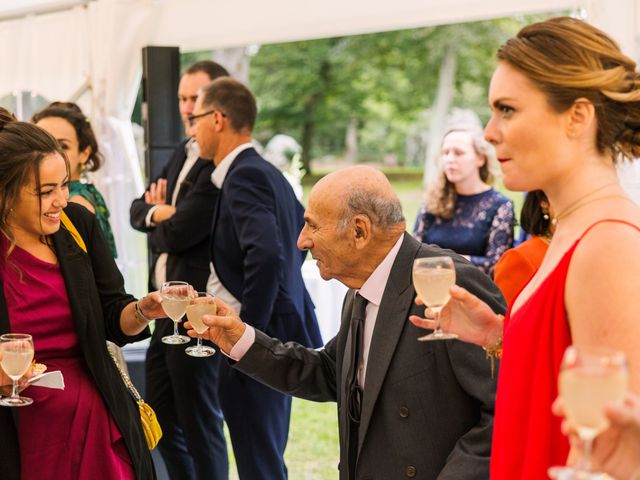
(175, 328)
(199, 343)
(436, 317)
(14, 389)
(584, 463)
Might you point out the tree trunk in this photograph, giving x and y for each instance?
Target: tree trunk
(439, 111)
(235, 60)
(351, 142)
(308, 132)
(309, 115)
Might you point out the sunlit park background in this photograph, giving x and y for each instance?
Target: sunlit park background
(379, 99)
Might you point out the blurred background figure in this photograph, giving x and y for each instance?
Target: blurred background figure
(517, 265)
(462, 211)
(69, 126)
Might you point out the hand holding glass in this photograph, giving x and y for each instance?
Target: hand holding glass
(202, 304)
(589, 379)
(432, 279)
(176, 296)
(17, 354)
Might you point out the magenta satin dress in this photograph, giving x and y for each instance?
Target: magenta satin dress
(64, 434)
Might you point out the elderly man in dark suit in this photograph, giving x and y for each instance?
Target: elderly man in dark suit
(255, 266)
(406, 408)
(172, 211)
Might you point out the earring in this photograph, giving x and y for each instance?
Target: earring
(545, 211)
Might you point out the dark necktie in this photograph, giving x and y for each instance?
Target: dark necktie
(354, 392)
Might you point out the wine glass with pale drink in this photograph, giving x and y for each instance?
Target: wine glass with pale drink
(201, 304)
(590, 378)
(17, 355)
(432, 279)
(176, 296)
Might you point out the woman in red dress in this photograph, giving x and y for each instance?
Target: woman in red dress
(70, 302)
(565, 108)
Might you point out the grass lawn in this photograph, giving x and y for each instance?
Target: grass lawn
(312, 450)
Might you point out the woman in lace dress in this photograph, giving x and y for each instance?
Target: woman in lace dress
(66, 122)
(462, 211)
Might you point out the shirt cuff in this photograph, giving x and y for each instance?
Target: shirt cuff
(241, 347)
(147, 219)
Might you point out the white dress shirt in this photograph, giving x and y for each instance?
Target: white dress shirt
(192, 150)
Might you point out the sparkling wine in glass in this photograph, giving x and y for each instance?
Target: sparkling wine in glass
(432, 279)
(202, 304)
(590, 377)
(17, 354)
(176, 296)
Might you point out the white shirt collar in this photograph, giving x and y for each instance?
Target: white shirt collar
(221, 170)
(373, 289)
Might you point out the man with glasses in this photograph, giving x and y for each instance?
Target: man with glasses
(172, 211)
(406, 409)
(255, 267)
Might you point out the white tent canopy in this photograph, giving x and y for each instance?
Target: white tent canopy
(56, 48)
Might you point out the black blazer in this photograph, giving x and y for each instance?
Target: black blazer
(253, 248)
(428, 407)
(96, 294)
(185, 236)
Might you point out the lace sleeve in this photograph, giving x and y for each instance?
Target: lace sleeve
(500, 239)
(419, 226)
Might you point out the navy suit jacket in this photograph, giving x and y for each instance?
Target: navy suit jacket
(253, 248)
(185, 236)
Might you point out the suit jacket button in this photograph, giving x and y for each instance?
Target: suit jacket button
(410, 471)
(404, 411)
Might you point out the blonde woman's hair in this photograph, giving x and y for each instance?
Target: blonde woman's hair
(569, 59)
(441, 195)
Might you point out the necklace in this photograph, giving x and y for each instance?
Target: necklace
(580, 202)
(575, 207)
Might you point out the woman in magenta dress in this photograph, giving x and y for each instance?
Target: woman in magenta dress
(71, 303)
(566, 107)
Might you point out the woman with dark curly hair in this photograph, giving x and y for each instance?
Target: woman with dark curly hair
(66, 122)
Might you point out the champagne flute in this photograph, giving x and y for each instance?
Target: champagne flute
(17, 354)
(432, 278)
(201, 304)
(589, 378)
(176, 296)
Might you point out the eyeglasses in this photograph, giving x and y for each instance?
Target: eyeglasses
(193, 119)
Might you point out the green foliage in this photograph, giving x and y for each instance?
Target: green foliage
(385, 82)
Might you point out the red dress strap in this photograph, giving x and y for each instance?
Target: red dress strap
(612, 220)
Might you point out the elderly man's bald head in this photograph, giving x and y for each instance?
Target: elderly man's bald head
(360, 190)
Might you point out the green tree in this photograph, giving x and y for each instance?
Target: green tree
(383, 83)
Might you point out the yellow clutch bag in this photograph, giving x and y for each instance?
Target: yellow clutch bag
(150, 425)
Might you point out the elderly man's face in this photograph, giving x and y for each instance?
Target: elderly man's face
(332, 249)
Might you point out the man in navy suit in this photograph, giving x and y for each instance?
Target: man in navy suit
(255, 268)
(172, 212)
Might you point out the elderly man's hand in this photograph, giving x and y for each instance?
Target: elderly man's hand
(465, 315)
(225, 328)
